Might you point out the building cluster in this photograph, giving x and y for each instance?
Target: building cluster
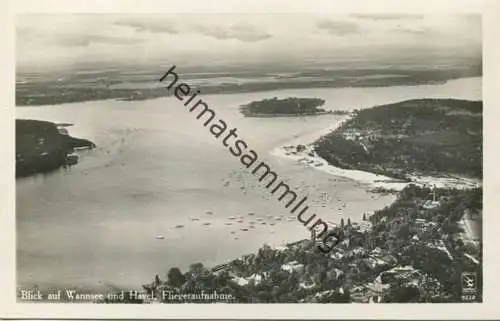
(408, 252)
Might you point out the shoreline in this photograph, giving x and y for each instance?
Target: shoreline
(129, 94)
(309, 158)
(43, 147)
(289, 115)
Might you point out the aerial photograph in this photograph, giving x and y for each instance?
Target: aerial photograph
(248, 158)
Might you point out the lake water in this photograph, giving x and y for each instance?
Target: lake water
(156, 167)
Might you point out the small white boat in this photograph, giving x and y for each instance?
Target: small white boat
(160, 237)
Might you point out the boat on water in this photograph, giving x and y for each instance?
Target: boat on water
(71, 159)
(206, 223)
(244, 229)
(160, 237)
(179, 226)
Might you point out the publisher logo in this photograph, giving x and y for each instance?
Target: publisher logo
(469, 283)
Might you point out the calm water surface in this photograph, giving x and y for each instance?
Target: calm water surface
(156, 167)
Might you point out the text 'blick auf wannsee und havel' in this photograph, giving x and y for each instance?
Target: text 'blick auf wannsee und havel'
(75, 296)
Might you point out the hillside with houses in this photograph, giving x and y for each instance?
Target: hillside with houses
(414, 250)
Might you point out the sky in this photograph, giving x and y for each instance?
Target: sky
(65, 40)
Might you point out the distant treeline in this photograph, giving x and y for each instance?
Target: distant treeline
(88, 87)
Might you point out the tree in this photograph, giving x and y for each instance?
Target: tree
(402, 293)
(175, 277)
(196, 268)
(348, 222)
(451, 228)
(264, 296)
(404, 231)
(364, 216)
(157, 280)
(342, 222)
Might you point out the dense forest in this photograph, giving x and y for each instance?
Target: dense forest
(41, 147)
(286, 106)
(420, 137)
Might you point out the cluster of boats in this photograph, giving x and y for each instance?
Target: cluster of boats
(233, 220)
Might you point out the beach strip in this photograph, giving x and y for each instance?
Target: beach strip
(309, 157)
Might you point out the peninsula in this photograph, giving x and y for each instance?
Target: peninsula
(420, 137)
(43, 146)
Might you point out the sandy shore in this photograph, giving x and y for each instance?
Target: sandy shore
(309, 157)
